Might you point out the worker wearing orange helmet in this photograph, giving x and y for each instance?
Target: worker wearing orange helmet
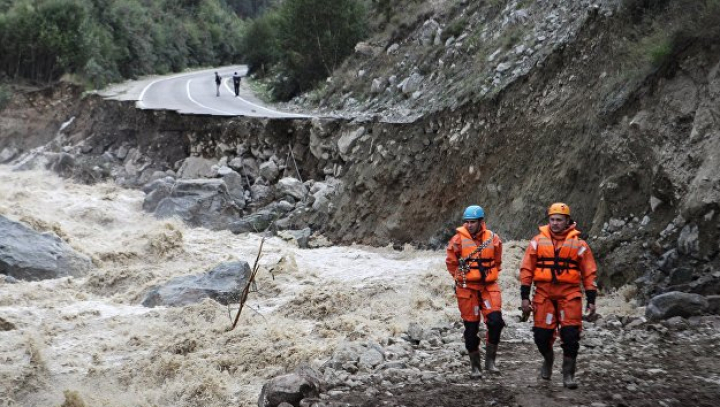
(474, 257)
(561, 265)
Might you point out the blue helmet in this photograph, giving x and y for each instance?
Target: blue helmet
(473, 212)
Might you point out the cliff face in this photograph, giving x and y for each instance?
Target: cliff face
(635, 153)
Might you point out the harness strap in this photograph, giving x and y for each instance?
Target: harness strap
(557, 265)
(483, 270)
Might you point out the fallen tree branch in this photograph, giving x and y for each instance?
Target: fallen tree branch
(246, 290)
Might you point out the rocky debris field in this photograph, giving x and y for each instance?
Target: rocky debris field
(624, 361)
(422, 67)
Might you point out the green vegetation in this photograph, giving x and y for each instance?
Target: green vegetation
(102, 41)
(260, 44)
(249, 8)
(299, 42)
(455, 28)
(512, 37)
(524, 4)
(659, 52)
(658, 40)
(658, 31)
(303, 42)
(5, 96)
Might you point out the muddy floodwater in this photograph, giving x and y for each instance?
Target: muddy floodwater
(90, 337)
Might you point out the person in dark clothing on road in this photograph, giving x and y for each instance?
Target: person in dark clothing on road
(218, 81)
(236, 84)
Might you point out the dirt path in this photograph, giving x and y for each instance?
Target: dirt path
(670, 368)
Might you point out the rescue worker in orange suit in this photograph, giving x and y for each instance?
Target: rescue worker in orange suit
(561, 265)
(473, 259)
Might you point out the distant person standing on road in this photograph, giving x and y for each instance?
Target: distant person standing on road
(218, 81)
(474, 257)
(236, 84)
(561, 266)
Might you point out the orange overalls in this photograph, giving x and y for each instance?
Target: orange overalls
(558, 264)
(477, 289)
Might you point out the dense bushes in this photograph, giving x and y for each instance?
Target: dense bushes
(5, 96)
(249, 8)
(44, 42)
(304, 41)
(108, 40)
(260, 44)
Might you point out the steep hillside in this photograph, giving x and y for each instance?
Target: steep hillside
(431, 55)
(621, 121)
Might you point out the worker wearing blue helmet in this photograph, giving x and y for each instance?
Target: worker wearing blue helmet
(474, 257)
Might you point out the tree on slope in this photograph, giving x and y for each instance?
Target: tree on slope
(315, 36)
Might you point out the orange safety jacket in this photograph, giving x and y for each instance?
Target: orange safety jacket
(565, 259)
(559, 265)
(482, 265)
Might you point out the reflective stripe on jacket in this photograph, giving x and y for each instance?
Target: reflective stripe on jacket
(561, 263)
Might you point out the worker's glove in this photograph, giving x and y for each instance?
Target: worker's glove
(590, 312)
(526, 310)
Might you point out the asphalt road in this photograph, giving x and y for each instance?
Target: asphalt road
(195, 93)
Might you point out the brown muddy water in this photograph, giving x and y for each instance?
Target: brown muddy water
(91, 337)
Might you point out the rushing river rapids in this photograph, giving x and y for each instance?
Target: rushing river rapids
(91, 338)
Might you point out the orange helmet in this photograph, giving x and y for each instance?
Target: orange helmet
(558, 208)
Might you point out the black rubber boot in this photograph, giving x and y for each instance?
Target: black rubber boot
(546, 368)
(490, 355)
(475, 368)
(568, 370)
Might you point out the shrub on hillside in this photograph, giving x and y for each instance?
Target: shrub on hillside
(260, 44)
(5, 96)
(315, 36)
(43, 42)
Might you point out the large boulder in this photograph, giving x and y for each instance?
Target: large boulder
(196, 167)
(236, 187)
(713, 304)
(347, 141)
(62, 163)
(250, 168)
(674, 304)
(198, 202)
(428, 32)
(292, 187)
(156, 191)
(300, 237)
(292, 388)
(411, 84)
(223, 284)
(261, 195)
(322, 194)
(28, 255)
(256, 222)
(269, 170)
(7, 154)
(6, 325)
